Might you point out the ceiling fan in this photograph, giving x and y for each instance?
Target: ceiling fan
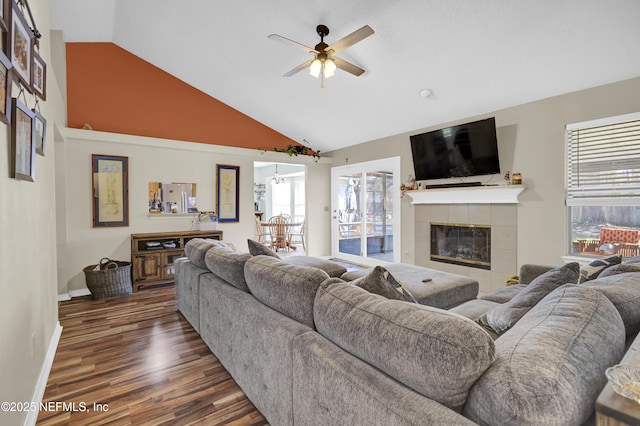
(324, 62)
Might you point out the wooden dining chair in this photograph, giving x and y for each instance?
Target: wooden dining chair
(279, 231)
(261, 234)
(296, 234)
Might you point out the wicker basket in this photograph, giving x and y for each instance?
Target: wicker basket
(109, 278)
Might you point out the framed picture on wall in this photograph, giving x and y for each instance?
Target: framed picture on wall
(39, 131)
(228, 186)
(20, 42)
(6, 82)
(22, 142)
(39, 76)
(5, 5)
(110, 191)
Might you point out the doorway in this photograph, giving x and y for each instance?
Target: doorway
(279, 189)
(365, 204)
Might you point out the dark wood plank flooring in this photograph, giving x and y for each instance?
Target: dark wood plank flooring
(140, 359)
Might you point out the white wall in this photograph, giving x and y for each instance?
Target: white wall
(28, 308)
(531, 141)
(157, 160)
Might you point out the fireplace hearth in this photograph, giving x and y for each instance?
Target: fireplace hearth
(468, 245)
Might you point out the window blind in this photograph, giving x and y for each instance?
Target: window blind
(603, 162)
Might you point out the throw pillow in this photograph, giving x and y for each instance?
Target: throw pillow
(595, 268)
(620, 269)
(503, 317)
(256, 249)
(380, 281)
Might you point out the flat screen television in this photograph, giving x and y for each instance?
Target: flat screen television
(464, 150)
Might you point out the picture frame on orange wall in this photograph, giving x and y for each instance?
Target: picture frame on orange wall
(20, 41)
(6, 82)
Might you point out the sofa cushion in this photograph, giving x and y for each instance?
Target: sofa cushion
(333, 269)
(289, 289)
(529, 271)
(228, 265)
(434, 352)
(550, 366)
(503, 317)
(634, 259)
(380, 281)
(623, 290)
(596, 267)
(197, 248)
(504, 294)
(620, 269)
(257, 249)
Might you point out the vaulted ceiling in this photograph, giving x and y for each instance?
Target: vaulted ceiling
(476, 56)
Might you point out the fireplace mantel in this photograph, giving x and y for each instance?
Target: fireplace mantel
(502, 194)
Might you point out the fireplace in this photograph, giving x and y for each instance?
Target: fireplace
(468, 245)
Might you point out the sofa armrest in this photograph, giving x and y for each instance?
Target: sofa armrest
(529, 271)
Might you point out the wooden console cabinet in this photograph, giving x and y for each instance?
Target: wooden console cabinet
(153, 255)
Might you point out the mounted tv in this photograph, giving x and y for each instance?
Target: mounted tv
(464, 150)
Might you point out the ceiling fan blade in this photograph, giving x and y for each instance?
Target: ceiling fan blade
(300, 68)
(351, 39)
(347, 66)
(299, 46)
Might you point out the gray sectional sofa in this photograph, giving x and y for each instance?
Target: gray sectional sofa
(311, 349)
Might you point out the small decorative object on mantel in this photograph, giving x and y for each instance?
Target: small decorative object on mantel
(516, 179)
(409, 185)
(507, 177)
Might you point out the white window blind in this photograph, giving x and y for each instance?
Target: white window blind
(603, 161)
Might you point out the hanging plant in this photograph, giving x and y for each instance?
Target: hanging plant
(296, 150)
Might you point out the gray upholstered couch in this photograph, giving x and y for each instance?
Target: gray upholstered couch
(307, 348)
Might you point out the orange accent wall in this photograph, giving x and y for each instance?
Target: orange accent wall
(115, 91)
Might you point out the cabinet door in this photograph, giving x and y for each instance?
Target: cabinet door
(168, 270)
(147, 267)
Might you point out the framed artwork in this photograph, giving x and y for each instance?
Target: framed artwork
(22, 142)
(110, 191)
(3, 14)
(39, 76)
(20, 42)
(39, 131)
(228, 186)
(6, 82)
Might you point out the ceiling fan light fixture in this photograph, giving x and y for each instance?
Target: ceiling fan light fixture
(315, 68)
(329, 68)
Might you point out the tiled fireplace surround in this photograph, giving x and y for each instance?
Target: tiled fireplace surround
(503, 220)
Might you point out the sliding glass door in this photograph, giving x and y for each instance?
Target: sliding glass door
(366, 227)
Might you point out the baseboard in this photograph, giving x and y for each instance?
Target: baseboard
(73, 293)
(41, 385)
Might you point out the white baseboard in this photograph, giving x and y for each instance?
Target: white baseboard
(41, 385)
(74, 293)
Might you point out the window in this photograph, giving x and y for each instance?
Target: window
(603, 185)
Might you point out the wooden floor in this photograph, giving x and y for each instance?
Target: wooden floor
(136, 361)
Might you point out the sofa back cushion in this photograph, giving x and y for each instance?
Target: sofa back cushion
(504, 316)
(550, 366)
(197, 248)
(228, 264)
(289, 289)
(434, 352)
(623, 290)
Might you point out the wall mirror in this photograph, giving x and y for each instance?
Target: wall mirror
(172, 198)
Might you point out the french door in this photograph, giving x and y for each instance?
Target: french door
(365, 205)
